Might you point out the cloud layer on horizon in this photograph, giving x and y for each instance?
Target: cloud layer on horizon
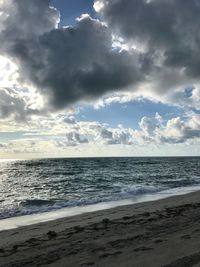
(66, 131)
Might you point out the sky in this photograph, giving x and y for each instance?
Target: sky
(99, 78)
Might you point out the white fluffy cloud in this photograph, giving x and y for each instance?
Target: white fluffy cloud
(175, 130)
(63, 136)
(151, 131)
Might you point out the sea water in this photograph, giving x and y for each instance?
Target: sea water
(36, 186)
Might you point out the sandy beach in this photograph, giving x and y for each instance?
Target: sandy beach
(158, 233)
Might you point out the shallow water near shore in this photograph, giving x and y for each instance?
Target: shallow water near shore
(15, 222)
(54, 188)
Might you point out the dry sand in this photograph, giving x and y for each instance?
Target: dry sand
(160, 233)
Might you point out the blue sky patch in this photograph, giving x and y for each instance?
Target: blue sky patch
(70, 10)
(128, 114)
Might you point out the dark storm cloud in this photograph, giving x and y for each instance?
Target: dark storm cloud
(70, 64)
(80, 64)
(167, 28)
(66, 64)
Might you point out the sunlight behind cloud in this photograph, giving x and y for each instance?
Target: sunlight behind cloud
(98, 5)
(8, 72)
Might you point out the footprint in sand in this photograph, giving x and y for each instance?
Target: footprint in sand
(2, 250)
(51, 234)
(185, 237)
(142, 249)
(105, 255)
(159, 241)
(87, 264)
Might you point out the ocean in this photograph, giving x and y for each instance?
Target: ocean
(43, 185)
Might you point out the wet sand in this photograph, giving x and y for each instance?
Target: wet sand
(159, 233)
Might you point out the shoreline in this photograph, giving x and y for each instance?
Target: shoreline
(67, 212)
(164, 232)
